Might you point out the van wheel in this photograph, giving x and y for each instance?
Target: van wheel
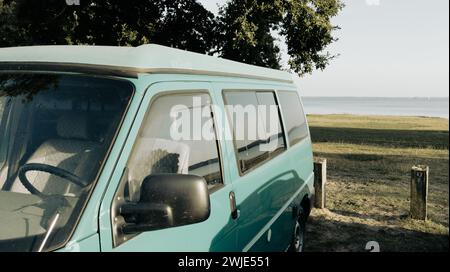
(298, 239)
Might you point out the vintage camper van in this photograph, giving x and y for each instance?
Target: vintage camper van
(149, 149)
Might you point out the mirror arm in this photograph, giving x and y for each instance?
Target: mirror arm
(144, 208)
(137, 228)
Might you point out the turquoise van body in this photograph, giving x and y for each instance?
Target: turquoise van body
(263, 208)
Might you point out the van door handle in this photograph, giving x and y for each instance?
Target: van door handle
(234, 210)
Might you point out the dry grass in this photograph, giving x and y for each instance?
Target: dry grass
(369, 163)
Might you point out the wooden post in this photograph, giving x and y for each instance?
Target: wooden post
(419, 192)
(320, 180)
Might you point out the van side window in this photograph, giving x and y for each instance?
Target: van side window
(294, 117)
(169, 141)
(275, 136)
(252, 146)
(2, 132)
(2, 106)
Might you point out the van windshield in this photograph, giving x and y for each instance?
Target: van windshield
(55, 133)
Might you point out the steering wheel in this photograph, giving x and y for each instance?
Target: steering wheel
(47, 169)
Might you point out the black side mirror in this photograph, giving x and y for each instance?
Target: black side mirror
(167, 200)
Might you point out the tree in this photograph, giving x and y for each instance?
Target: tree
(116, 22)
(245, 32)
(248, 27)
(184, 24)
(39, 22)
(11, 34)
(308, 30)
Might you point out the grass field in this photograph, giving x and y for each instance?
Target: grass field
(369, 164)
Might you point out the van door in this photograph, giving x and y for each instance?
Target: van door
(160, 142)
(266, 185)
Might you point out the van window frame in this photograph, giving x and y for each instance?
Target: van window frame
(187, 92)
(281, 122)
(3, 133)
(294, 91)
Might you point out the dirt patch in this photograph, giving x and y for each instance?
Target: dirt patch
(330, 231)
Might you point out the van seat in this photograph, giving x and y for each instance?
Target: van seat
(155, 156)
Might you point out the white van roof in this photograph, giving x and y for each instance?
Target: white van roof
(149, 58)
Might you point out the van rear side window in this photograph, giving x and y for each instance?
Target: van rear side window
(2, 132)
(255, 121)
(294, 117)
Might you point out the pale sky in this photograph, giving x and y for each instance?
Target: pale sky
(394, 48)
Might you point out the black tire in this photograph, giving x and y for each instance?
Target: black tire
(298, 237)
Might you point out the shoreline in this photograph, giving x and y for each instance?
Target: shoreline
(383, 106)
(377, 115)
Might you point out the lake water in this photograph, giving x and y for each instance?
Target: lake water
(430, 107)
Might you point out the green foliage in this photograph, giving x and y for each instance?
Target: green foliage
(248, 27)
(244, 30)
(184, 24)
(10, 31)
(115, 22)
(308, 30)
(41, 22)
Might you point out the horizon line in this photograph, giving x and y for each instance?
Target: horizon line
(349, 96)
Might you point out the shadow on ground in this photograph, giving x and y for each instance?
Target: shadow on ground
(368, 190)
(327, 234)
(381, 137)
